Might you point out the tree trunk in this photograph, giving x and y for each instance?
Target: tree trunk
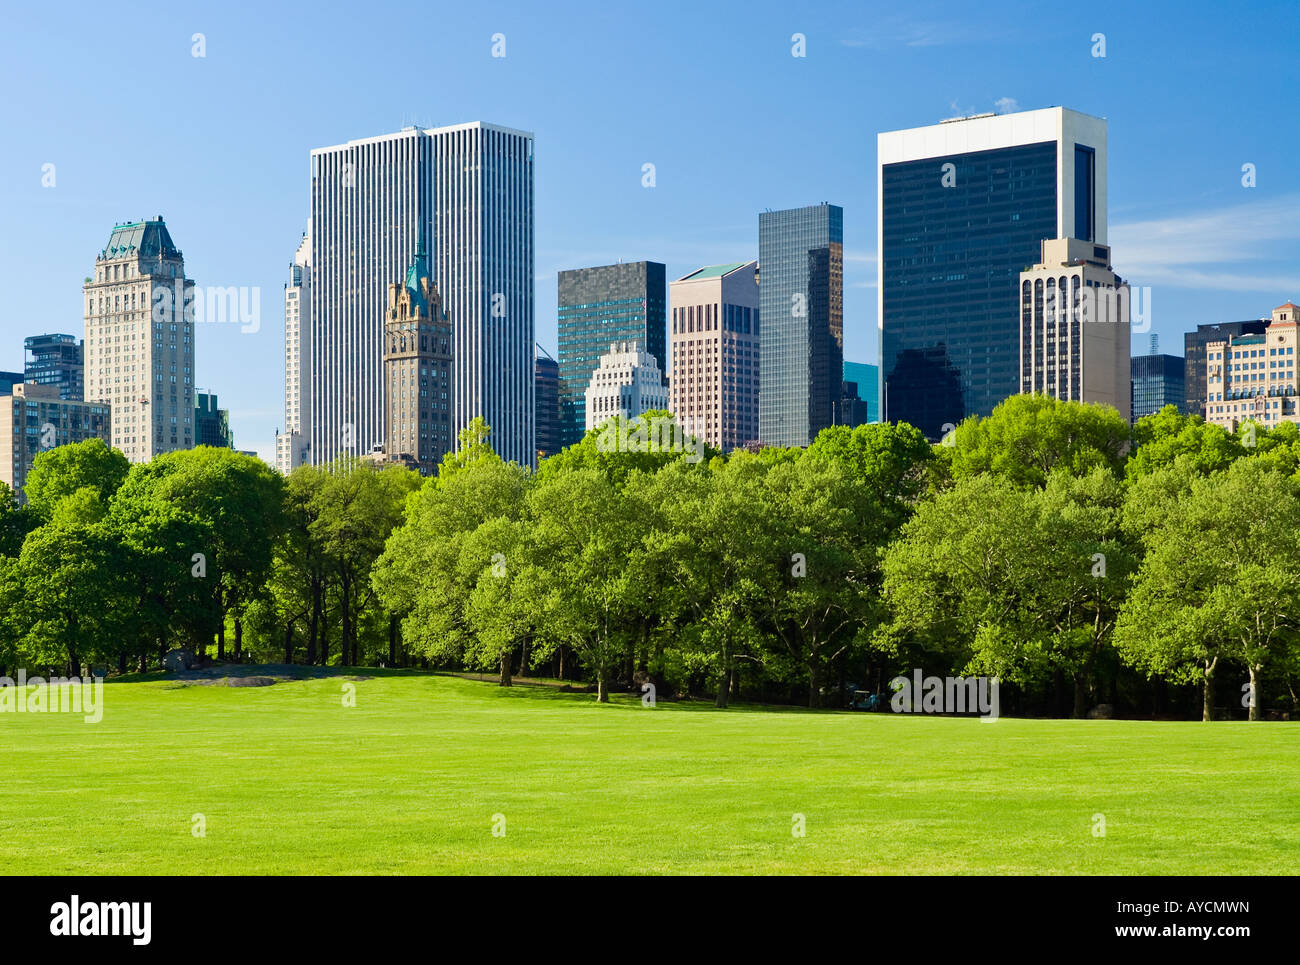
(221, 638)
(814, 686)
(523, 657)
(348, 651)
(560, 650)
(1207, 705)
(392, 640)
(314, 622)
(1254, 694)
(239, 640)
(602, 694)
(1080, 698)
(724, 691)
(121, 662)
(288, 642)
(507, 658)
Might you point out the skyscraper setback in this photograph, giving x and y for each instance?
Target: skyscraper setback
(801, 256)
(468, 188)
(140, 340)
(963, 207)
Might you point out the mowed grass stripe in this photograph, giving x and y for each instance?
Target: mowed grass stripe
(407, 781)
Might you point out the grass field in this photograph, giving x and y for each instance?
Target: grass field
(290, 781)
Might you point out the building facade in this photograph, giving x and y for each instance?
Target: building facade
(628, 382)
(292, 447)
(715, 363)
(212, 423)
(469, 189)
(546, 390)
(417, 370)
(34, 419)
(1074, 326)
(1253, 377)
(599, 307)
(801, 299)
(57, 360)
(963, 207)
(139, 346)
(1194, 355)
(1157, 381)
(8, 380)
(866, 378)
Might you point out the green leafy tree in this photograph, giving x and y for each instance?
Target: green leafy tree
(1029, 436)
(1163, 437)
(1220, 581)
(59, 472)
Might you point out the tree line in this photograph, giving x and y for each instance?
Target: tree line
(1079, 560)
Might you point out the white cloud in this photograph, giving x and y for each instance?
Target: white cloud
(1204, 250)
(1006, 105)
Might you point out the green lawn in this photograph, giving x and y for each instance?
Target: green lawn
(408, 781)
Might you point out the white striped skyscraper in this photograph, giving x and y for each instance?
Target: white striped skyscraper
(469, 189)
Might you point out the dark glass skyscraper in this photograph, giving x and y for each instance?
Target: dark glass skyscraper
(801, 298)
(597, 308)
(56, 360)
(963, 208)
(1157, 382)
(546, 383)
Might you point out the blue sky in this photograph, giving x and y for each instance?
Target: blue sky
(707, 92)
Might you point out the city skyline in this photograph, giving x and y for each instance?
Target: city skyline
(1182, 220)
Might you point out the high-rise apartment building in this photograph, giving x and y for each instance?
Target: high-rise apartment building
(468, 188)
(292, 446)
(139, 344)
(1194, 355)
(546, 390)
(1157, 381)
(57, 360)
(33, 419)
(801, 257)
(963, 207)
(599, 307)
(417, 370)
(1074, 326)
(714, 383)
(1253, 377)
(628, 382)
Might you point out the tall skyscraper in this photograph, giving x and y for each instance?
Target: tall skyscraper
(1157, 381)
(468, 188)
(628, 382)
(140, 340)
(57, 360)
(546, 382)
(1194, 355)
(597, 308)
(713, 388)
(866, 377)
(33, 419)
(212, 423)
(292, 446)
(1074, 326)
(417, 369)
(801, 257)
(963, 207)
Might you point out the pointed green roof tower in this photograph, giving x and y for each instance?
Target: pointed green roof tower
(419, 270)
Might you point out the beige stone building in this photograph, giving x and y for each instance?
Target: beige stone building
(140, 340)
(417, 371)
(1253, 377)
(33, 419)
(1074, 326)
(714, 353)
